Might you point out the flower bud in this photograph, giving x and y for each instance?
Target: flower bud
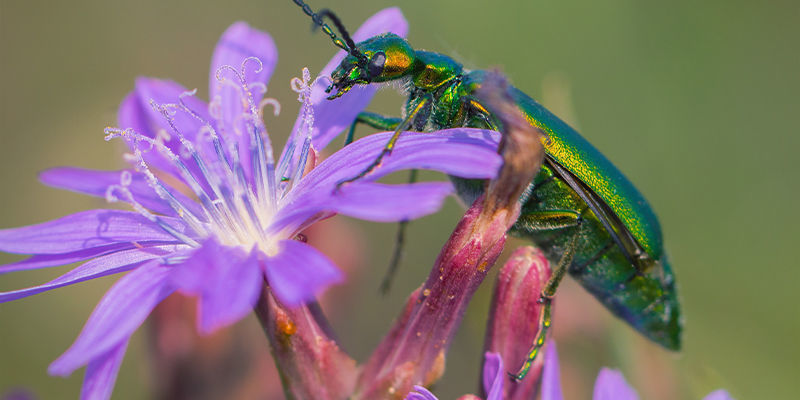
(514, 317)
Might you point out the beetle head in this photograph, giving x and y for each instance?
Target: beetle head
(378, 59)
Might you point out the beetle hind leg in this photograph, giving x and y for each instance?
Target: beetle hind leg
(555, 219)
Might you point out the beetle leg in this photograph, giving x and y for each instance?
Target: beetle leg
(376, 121)
(551, 219)
(385, 123)
(390, 144)
(399, 242)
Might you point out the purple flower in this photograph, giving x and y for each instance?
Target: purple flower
(610, 383)
(238, 223)
(493, 379)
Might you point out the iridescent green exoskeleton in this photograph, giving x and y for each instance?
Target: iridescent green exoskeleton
(580, 209)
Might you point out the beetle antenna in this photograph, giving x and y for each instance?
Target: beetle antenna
(342, 31)
(347, 44)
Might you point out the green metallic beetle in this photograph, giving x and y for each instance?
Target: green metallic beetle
(580, 209)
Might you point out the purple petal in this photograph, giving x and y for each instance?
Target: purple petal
(420, 393)
(719, 394)
(226, 279)
(551, 379)
(332, 117)
(123, 308)
(297, 273)
(52, 260)
(101, 373)
(389, 203)
(137, 113)
(368, 201)
(464, 152)
(96, 183)
(99, 267)
(239, 42)
(493, 376)
(611, 385)
(84, 230)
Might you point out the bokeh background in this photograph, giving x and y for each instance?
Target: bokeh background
(697, 102)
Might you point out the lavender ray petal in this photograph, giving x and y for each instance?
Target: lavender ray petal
(493, 376)
(123, 308)
(464, 152)
(719, 394)
(53, 260)
(85, 230)
(368, 201)
(106, 265)
(611, 385)
(297, 273)
(420, 393)
(101, 373)
(551, 378)
(332, 117)
(96, 183)
(226, 279)
(237, 43)
(137, 113)
(389, 203)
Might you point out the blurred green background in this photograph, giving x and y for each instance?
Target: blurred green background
(697, 102)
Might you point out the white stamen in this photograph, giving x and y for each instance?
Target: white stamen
(237, 210)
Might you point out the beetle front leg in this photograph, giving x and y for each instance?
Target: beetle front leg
(374, 120)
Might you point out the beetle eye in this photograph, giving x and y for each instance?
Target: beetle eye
(375, 66)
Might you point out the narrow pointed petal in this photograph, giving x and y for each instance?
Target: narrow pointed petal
(551, 377)
(297, 273)
(123, 308)
(389, 203)
(420, 393)
(719, 394)
(368, 201)
(468, 153)
(333, 117)
(96, 183)
(611, 385)
(238, 43)
(85, 230)
(137, 113)
(53, 260)
(226, 280)
(494, 376)
(102, 266)
(463, 152)
(101, 373)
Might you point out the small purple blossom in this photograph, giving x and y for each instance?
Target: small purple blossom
(493, 379)
(610, 383)
(215, 215)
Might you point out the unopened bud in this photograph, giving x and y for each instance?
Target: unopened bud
(515, 315)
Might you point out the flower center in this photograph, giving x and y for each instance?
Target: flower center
(226, 164)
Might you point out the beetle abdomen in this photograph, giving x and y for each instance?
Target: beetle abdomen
(643, 295)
